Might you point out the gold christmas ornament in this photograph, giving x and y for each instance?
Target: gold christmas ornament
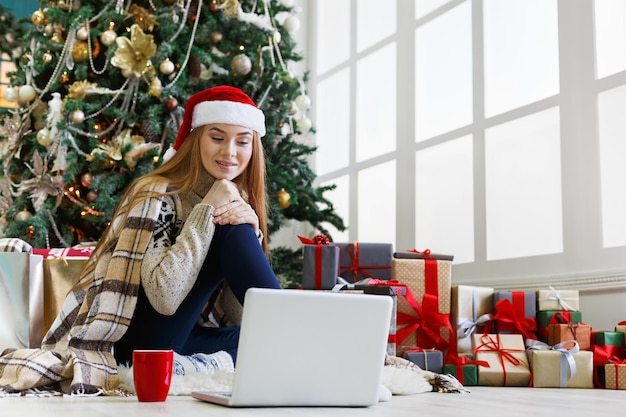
(134, 54)
(57, 37)
(155, 87)
(26, 93)
(167, 67)
(64, 78)
(108, 37)
(77, 116)
(43, 137)
(30, 232)
(82, 33)
(23, 215)
(80, 51)
(241, 64)
(39, 18)
(47, 57)
(283, 199)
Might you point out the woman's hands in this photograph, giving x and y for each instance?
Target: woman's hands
(229, 206)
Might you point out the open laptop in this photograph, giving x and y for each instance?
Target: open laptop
(308, 348)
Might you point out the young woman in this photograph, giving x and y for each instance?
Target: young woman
(179, 233)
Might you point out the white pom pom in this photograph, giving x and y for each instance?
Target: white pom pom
(168, 154)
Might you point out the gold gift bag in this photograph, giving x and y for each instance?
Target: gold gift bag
(58, 278)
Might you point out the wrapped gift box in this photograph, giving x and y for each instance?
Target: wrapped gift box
(428, 360)
(506, 356)
(320, 266)
(425, 273)
(358, 261)
(609, 338)
(428, 278)
(470, 311)
(515, 312)
(553, 299)
(551, 369)
(581, 333)
(546, 317)
(465, 374)
(621, 327)
(615, 375)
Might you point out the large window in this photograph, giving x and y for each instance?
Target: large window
(491, 130)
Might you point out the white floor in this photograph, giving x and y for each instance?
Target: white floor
(482, 401)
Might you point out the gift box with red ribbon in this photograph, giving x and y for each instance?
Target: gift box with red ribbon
(424, 314)
(547, 317)
(515, 312)
(579, 332)
(562, 365)
(321, 260)
(470, 311)
(358, 261)
(605, 345)
(615, 373)
(507, 363)
(464, 370)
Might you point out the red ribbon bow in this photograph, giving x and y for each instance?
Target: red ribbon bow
(506, 314)
(426, 323)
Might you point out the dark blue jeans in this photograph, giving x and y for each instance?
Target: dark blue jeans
(235, 257)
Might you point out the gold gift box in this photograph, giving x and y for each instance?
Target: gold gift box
(506, 356)
(546, 369)
(615, 376)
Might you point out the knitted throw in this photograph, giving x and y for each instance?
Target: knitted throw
(77, 352)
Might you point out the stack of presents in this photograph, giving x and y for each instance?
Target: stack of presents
(480, 335)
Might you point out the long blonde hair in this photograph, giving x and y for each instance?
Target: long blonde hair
(181, 173)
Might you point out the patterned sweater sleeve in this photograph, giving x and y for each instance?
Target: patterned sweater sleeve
(173, 261)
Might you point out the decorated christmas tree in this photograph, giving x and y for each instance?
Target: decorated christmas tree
(101, 88)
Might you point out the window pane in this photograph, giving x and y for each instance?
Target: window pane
(610, 21)
(443, 81)
(333, 42)
(523, 187)
(377, 203)
(370, 15)
(423, 7)
(444, 199)
(376, 105)
(612, 125)
(340, 197)
(521, 53)
(333, 123)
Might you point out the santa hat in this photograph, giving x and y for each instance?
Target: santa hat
(221, 104)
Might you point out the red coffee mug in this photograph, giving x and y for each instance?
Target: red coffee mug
(152, 374)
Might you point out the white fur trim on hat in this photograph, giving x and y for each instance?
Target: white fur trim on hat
(228, 112)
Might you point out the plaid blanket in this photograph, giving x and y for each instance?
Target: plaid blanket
(77, 352)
